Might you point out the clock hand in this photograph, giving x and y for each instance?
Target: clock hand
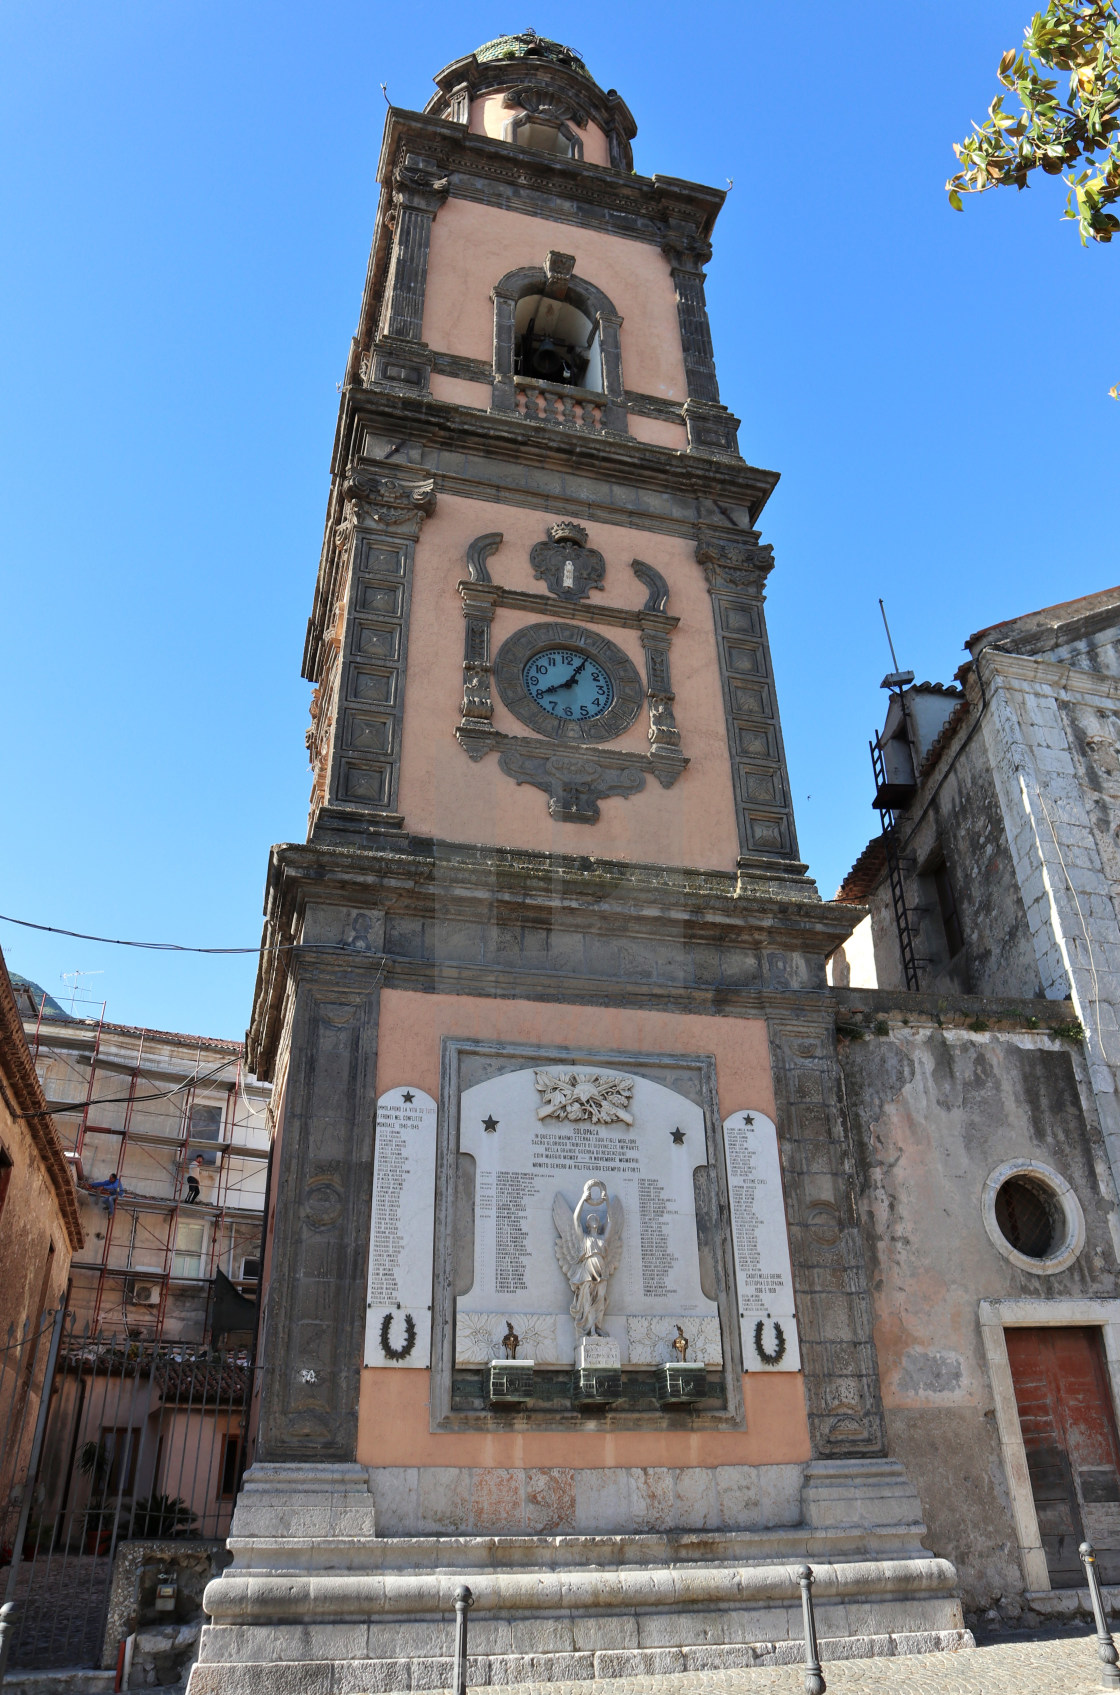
(568, 680)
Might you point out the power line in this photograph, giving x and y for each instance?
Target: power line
(122, 1100)
(158, 947)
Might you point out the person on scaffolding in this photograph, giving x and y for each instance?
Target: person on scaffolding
(194, 1186)
(109, 1188)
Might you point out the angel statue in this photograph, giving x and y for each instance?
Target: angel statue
(589, 1250)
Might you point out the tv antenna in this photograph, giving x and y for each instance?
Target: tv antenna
(75, 989)
(895, 679)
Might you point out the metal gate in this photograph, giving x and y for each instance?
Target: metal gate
(125, 1441)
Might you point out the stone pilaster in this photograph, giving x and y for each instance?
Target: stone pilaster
(687, 259)
(834, 1319)
(419, 190)
(736, 574)
(312, 1343)
(378, 534)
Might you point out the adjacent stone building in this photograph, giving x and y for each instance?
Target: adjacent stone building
(40, 1228)
(981, 1099)
(168, 1139)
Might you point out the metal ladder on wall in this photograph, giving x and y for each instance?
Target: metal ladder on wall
(894, 873)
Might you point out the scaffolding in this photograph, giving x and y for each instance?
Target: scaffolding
(206, 1111)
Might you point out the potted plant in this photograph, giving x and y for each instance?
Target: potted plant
(159, 1516)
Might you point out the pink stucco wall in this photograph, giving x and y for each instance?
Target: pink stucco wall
(490, 115)
(474, 246)
(445, 794)
(393, 1415)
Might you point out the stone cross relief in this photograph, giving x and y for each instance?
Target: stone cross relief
(589, 1251)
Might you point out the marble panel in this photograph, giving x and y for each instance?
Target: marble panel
(618, 1151)
(399, 1289)
(761, 1239)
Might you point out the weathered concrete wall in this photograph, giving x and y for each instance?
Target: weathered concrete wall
(957, 814)
(934, 1110)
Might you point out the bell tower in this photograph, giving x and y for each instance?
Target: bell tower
(561, 1234)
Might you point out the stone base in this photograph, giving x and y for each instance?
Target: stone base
(316, 1604)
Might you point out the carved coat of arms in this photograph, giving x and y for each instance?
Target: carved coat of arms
(566, 564)
(585, 1097)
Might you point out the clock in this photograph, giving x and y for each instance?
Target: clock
(568, 682)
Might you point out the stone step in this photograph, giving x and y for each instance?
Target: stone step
(71, 1680)
(395, 1677)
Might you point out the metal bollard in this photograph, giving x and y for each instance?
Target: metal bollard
(7, 1626)
(814, 1678)
(1106, 1647)
(464, 1601)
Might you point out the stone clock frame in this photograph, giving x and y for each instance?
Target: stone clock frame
(575, 777)
(509, 675)
(457, 1401)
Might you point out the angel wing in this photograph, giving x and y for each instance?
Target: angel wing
(568, 1245)
(616, 1225)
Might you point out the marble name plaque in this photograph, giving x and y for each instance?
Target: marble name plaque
(598, 1351)
(767, 1324)
(399, 1289)
(619, 1149)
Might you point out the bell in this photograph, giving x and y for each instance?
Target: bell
(549, 362)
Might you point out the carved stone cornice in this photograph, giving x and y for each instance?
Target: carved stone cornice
(545, 102)
(386, 503)
(419, 185)
(507, 889)
(686, 252)
(738, 568)
(418, 428)
(577, 779)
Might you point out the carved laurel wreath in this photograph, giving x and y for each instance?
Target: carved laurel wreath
(779, 1353)
(402, 1353)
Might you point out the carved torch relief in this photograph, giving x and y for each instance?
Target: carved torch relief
(574, 687)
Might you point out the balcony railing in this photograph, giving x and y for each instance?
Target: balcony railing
(555, 403)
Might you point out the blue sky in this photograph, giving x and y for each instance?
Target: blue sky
(187, 201)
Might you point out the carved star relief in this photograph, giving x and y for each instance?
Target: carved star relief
(490, 1124)
(678, 1137)
(408, 1097)
(748, 1121)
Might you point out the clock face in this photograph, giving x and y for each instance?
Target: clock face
(568, 684)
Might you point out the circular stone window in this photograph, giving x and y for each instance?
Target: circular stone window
(1033, 1217)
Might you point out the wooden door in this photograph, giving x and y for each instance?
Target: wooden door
(1073, 1455)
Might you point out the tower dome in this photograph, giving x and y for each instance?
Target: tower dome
(530, 45)
(537, 93)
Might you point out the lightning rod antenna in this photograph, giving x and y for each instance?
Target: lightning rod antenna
(886, 626)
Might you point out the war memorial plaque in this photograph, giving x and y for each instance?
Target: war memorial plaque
(768, 1327)
(585, 1217)
(399, 1287)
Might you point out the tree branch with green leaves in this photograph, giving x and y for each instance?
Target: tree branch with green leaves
(1049, 133)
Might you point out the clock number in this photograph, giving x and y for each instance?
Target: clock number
(568, 684)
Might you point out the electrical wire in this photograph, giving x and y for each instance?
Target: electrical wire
(158, 947)
(123, 1100)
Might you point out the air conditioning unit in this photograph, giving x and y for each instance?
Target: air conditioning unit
(143, 1294)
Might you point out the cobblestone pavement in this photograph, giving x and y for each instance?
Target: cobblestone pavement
(1065, 1667)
